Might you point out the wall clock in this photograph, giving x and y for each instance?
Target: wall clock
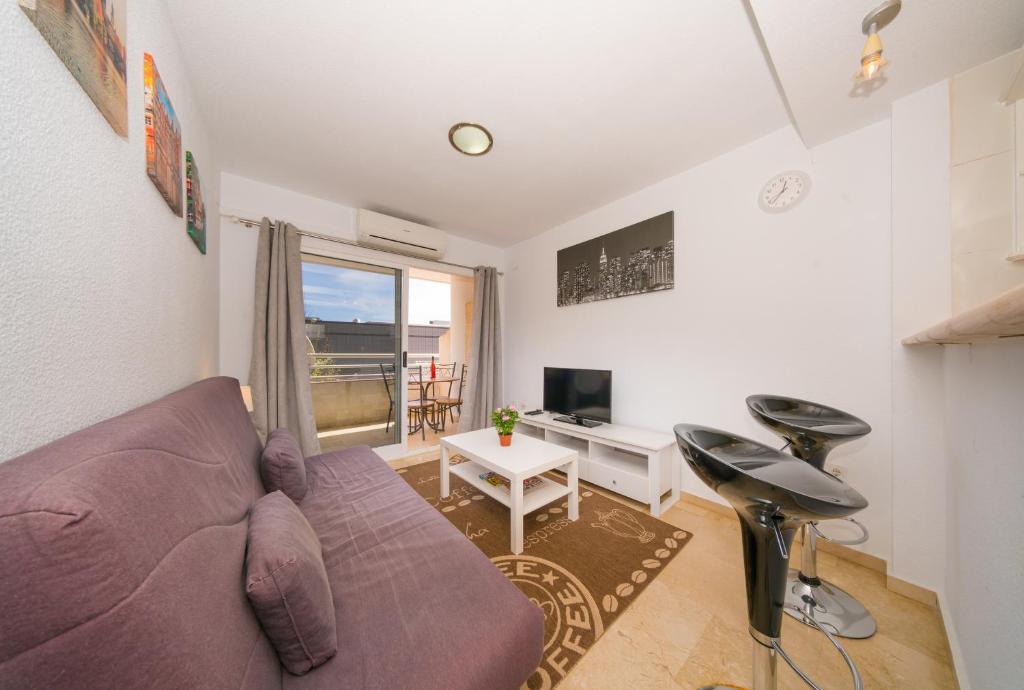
(784, 191)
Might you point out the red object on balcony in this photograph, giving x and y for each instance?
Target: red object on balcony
(433, 369)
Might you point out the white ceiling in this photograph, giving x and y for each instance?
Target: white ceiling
(816, 46)
(588, 100)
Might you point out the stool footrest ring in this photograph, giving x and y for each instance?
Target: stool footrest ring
(858, 684)
(844, 542)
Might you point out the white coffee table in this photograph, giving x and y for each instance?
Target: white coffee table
(526, 457)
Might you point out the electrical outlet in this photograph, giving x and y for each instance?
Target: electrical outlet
(837, 471)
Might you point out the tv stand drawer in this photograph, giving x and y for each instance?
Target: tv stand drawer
(620, 481)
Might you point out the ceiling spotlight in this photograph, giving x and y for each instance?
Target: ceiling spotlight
(871, 60)
(470, 139)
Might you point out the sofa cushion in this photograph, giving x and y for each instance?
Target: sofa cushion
(282, 466)
(417, 604)
(286, 583)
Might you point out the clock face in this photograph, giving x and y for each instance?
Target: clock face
(784, 191)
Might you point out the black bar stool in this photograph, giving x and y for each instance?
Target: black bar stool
(774, 494)
(812, 431)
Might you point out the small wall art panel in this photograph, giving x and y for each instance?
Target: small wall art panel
(196, 209)
(163, 138)
(89, 37)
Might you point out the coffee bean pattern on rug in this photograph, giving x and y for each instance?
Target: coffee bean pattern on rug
(582, 574)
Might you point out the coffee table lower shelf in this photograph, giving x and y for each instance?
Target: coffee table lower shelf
(528, 457)
(534, 498)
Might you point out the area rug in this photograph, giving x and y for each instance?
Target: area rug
(582, 574)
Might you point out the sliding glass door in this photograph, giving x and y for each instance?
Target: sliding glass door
(354, 338)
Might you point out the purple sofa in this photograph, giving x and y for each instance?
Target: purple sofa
(122, 549)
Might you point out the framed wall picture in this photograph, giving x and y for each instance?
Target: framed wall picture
(89, 38)
(636, 259)
(163, 138)
(195, 208)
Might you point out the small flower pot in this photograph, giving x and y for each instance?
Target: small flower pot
(506, 439)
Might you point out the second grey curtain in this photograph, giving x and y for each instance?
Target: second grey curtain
(279, 372)
(484, 392)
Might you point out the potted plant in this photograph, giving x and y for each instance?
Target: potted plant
(504, 420)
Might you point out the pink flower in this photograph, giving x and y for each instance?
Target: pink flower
(504, 417)
(512, 407)
(497, 410)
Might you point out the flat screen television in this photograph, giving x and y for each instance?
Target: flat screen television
(583, 394)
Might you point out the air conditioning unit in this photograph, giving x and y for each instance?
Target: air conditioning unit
(377, 231)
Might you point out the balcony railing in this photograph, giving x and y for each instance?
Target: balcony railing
(327, 367)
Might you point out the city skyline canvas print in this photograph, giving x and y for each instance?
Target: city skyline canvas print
(89, 36)
(163, 138)
(637, 259)
(196, 209)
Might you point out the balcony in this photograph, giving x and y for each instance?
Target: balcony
(346, 350)
(350, 401)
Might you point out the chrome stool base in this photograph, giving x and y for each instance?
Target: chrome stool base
(833, 608)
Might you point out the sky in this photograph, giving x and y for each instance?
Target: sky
(333, 293)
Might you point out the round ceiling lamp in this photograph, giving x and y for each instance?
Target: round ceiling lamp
(470, 139)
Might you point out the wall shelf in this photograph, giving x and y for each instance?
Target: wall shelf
(1001, 317)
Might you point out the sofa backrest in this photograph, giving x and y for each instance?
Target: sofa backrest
(122, 549)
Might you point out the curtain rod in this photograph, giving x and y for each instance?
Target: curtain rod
(250, 223)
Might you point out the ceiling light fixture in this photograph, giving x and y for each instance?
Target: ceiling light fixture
(470, 139)
(871, 60)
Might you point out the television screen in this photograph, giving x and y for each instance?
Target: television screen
(585, 393)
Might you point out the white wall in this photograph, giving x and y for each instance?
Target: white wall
(921, 297)
(985, 564)
(797, 303)
(251, 199)
(106, 302)
(983, 573)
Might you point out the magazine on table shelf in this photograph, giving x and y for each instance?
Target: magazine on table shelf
(496, 479)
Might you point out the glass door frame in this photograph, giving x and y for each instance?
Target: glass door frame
(329, 250)
(346, 252)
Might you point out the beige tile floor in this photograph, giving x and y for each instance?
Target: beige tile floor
(689, 627)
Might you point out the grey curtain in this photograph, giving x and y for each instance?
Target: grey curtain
(484, 392)
(279, 372)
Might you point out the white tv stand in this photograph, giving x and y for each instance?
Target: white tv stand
(637, 463)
